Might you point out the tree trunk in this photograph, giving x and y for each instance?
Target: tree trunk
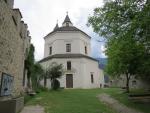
(127, 83)
(28, 80)
(45, 81)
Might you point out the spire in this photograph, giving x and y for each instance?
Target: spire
(56, 27)
(67, 21)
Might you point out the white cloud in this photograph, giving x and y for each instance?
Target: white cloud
(41, 17)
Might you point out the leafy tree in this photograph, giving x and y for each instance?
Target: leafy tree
(53, 72)
(126, 25)
(118, 17)
(34, 70)
(124, 58)
(36, 76)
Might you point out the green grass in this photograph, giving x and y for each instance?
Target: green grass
(71, 101)
(81, 101)
(123, 98)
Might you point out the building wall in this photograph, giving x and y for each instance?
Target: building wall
(81, 69)
(12, 47)
(59, 40)
(91, 67)
(133, 83)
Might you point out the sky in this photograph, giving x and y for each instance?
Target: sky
(42, 15)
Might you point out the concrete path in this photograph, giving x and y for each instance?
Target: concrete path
(120, 108)
(33, 109)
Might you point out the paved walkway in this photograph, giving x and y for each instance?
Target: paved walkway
(120, 108)
(33, 109)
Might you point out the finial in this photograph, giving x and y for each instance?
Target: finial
(57, 21)
(67, 12)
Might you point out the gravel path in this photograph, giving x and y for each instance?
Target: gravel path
(33, 109)
(120, 108)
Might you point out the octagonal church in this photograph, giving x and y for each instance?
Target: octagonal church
(71, 47)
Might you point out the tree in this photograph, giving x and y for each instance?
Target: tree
(34, 70)
(118, 17)
(36, 76)
(29, 64)
(124, 58)
(126, 25)
(53, 72)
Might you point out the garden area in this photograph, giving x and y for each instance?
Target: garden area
(82, 101)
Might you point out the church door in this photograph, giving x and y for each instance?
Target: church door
(69, 81)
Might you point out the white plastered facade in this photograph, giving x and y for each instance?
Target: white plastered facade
(81, 66)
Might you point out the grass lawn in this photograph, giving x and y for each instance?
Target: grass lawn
(70, 101)
(80, 101)
(123, 98)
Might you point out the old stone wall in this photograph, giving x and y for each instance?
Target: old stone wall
(12, 47)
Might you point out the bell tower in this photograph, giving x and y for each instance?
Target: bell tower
(67, 22)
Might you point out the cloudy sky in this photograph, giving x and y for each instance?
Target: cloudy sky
(42, 15)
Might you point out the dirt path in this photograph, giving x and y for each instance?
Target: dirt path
(120, 108)
(33, 109)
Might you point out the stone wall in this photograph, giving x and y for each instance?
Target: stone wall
(13, 41)
(133, 83)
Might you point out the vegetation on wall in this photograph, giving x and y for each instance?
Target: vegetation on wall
(34, 70)
(126, 25)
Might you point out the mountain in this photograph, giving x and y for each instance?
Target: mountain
(102, 62)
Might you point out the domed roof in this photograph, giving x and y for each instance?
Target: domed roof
(67, 28)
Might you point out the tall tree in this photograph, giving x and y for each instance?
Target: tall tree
(36, 76)
(126, 25)
(34, 70)
(29, 65)
(124, 57)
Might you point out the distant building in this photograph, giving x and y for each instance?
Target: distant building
(133, 83)
(14, 46)
(71, 47)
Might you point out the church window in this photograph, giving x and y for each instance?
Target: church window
(85, 50)
(67, 24)
(68, 47)
(68, 65)
(92, 78)
(50, 50)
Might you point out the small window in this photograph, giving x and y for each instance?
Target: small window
(67, 24)
(50, 50)
(68, 65)
(85, 50)
(92, 78)
(68, 47)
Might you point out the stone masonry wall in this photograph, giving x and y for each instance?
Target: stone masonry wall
(11, 48)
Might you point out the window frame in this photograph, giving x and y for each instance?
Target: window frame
(50, 50)
(85, 48)
(69, 65)
(68, 47)
(92, 78)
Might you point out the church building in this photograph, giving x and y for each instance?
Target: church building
(71, 47)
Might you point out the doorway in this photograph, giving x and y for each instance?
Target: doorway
(69, 81)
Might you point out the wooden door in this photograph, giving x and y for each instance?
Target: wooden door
(69, 81)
